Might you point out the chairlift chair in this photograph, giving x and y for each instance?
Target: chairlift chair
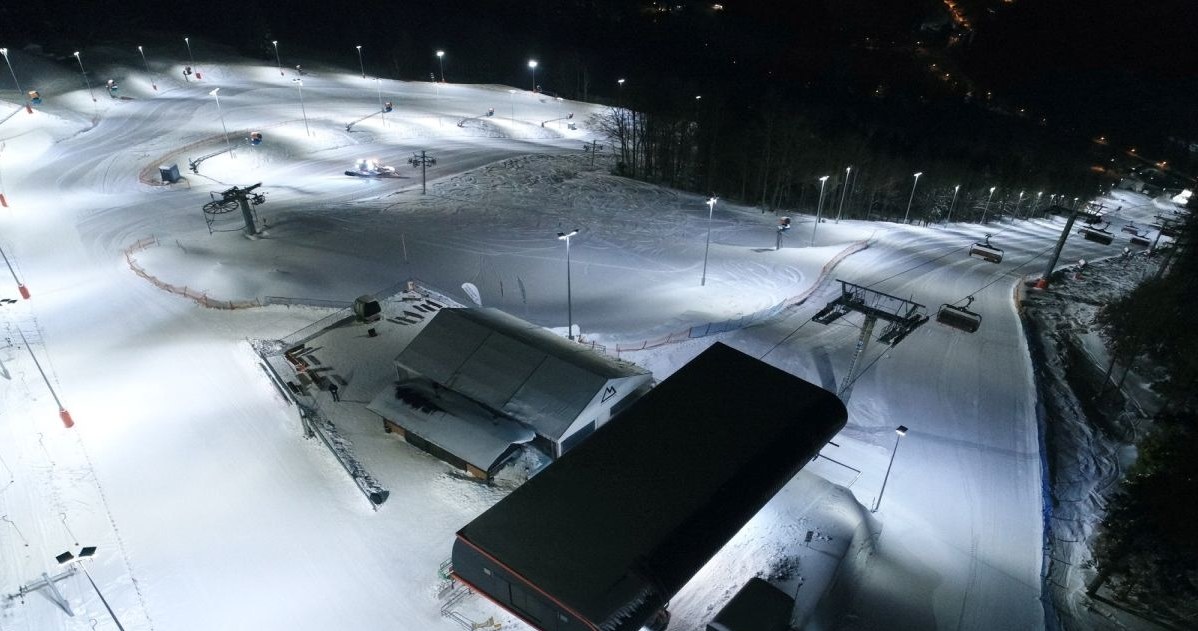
(1097, 235)
(985, 251)
(960, 318)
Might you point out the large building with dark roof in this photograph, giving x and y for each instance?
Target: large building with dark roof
(604, 537)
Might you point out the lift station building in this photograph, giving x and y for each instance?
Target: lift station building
(476, 383)
(603, 538)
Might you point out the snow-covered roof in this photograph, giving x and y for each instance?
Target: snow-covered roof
(450, 422)
(511, 365)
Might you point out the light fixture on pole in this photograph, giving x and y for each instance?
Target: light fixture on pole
(956, 189)
(620, 93)
(1018, 202)
(85, 553)
(361, 65)
(912, 198)
(1075, 203)
(24, 291)
(532, 65)
(565, 236)
(710, 207)
(1036, 204)
(818, 207)
(299, 83)
(28, 107)
(148, 71)
(378, 84)
(187, 41)
(986, 208)
(441, 63)
(216, 93)
(901, 431)
(843, 191)
(63, 414)
(278, 60)
(85, 79)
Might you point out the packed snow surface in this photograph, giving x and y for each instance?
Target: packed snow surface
(211, 511)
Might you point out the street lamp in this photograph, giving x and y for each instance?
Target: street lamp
(148, 71)
(620, 93)
(195, 69)
(565, 236)
(277, 59)
(901, 431)
(441, 63)
(819, 206)
(84, 73)
(532, 65)
(216, 93)
(361, 65)
(986, 208)
(912, 198)
(1018, 201)
(299, 83)
(378, 84)
(843, 191)
(28, 107)
(85, 553)
(956, 189)
(710, 208)
(1036, 204)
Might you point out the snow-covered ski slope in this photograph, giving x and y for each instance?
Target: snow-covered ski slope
(187, 470)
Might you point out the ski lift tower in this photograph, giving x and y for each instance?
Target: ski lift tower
(901, 316)
(233, 199)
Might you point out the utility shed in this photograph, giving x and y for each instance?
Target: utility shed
(758, 606)
(604, 537)
(560, 389)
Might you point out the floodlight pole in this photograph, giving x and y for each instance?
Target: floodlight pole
(378, 85)
(62, 411)
(216, 93)
(901, 431)
(441, 62)
(148, 71)
(85, 79)
(299, 83)
(843, 192)
(949, 218)
(20, 286)
(361, 65)
(710, 208)
(24, 96)
(986, 209)
(818, 207)
(565, 236)
(532, 65)
(912, 198)
(194, 69)
(278, 60)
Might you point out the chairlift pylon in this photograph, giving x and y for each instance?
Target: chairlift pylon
(960, 318)
(985, 251)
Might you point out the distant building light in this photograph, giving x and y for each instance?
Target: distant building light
(717, 7)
